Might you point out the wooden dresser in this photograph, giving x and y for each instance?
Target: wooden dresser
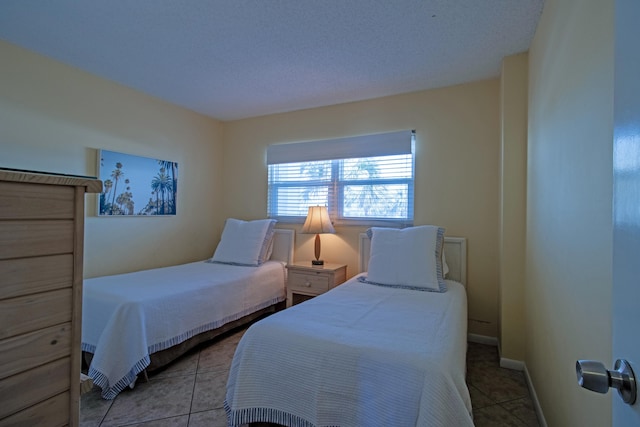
(41, 248)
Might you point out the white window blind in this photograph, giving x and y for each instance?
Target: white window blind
(364, 179)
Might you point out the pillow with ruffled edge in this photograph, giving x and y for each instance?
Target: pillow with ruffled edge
(267, 249)
(445, 267)
(245, 243)
(400, 258)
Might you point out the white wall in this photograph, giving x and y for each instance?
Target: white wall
(457, 172)
(569, 199)
(513, 195)
(53, 118)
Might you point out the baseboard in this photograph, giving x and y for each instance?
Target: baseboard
(482, 339)
(534, 397)
(516, 365)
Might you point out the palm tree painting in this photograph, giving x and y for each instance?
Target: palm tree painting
(128, 180)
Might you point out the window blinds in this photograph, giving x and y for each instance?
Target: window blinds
(361, 179)
(381, 144)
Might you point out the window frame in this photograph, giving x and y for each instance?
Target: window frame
(335, 198)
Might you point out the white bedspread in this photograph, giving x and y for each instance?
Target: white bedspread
(127, 317)
(359, 355)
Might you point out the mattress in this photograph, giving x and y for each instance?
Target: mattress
(358, 355)
(127, 317)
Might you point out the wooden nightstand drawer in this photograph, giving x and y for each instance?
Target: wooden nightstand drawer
(306, 281)
(312, 282)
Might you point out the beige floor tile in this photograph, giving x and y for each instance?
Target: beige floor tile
(478, 398)
(185, 365)
(498, 384)
(523, 409)
(215, 358)
(495, 416)
(157, 399)
(212, 418)
(481, 356)
(181, 421)
(210, 390)
(93, 408)
(482, 352)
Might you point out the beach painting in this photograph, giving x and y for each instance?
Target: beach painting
(136, 186)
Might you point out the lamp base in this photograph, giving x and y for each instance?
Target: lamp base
(317, 262)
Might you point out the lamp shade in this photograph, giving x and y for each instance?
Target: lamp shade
(317, 221)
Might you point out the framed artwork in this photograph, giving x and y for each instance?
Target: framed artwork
(136, 186)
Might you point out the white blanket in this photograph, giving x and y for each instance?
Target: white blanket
(127, 317)
(358, 355)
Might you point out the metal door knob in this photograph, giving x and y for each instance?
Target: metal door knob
(593, 376)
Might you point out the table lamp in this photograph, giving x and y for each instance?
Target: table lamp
(317, 222)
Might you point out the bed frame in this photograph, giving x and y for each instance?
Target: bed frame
(455, 250)
(283, 246)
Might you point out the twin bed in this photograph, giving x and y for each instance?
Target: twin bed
(138, 322)
(364, 353)
(388, 347)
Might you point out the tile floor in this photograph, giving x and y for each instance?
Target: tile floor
(500, 397)
(190, 392)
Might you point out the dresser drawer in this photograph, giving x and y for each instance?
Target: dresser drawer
(26, 314)
(20, 239)
(25, 276)
(52, 412)
(20, 391)
(35, 201)
(310, 282)
(28, 351)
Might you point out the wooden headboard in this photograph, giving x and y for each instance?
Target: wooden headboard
(283, 245)
(455, 251)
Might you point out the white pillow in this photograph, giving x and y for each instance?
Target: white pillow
(445, 267)
(407, 258)
(269, 249)
(245, 242)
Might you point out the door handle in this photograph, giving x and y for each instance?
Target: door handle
(593, 376)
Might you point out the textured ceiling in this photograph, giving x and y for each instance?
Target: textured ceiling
(232, 59)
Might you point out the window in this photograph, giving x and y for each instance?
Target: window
(362, 180)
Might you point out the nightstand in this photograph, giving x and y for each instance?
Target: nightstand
(305, 281)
